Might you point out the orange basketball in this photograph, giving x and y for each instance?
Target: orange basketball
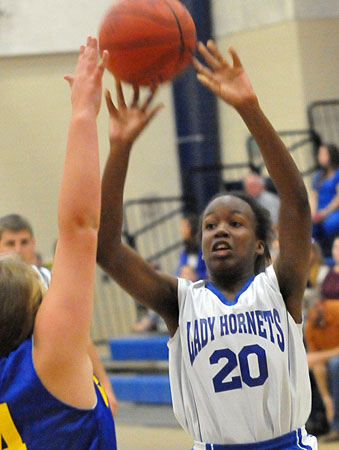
(148, 40)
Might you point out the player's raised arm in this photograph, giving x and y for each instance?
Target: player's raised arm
(123, 264)
(62, 327)
(229, 81)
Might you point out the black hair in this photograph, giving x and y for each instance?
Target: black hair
(333, 155)
(192, 245)
(263, 229)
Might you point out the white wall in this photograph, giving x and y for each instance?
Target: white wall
(49, 26)
(34, 114)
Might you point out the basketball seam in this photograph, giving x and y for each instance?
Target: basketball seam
(178, 25)
(182, 40)
(174, 58)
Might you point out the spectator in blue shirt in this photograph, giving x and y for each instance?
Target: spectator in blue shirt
(325, 197)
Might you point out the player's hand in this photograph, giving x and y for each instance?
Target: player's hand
(127, 122)
(86, 83)
(227, 81)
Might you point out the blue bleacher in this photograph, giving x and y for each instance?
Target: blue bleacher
(150, 348)
(139, 387)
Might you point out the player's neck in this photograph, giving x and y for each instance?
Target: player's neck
(230, 285)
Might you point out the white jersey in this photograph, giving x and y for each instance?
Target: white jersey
(238, 369)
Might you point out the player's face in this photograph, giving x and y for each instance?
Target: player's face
(323, 156)
(20, 242)
(229, 242)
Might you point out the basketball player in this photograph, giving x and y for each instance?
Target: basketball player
(48, 397)
(238, 368)
(17, 236)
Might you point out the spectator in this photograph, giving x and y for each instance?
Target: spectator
(330, 285)
(16, 236)
(317, 272)
(254, 185)
(191, 254)
(188, 273)
(322, 338)
(324, 197)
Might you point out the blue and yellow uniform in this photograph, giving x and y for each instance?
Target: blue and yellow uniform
(33, 419)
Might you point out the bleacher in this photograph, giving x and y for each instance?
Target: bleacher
(149, 384)
(138, 365)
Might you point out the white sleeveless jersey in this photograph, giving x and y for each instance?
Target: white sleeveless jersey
(238, 369)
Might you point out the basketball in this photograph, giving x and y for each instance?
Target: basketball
(149, 41)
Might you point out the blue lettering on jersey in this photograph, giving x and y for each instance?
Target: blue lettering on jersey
(260, 322)
(252, 328)
(211, 321)
(241, 323)
(233, 323)
(277, 321)
(203, 331)
(265, 324)
(268, 317)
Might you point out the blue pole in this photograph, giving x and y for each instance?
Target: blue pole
(196, 118)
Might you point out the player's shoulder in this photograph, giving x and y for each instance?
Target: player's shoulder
(184, 284)
(267, 277)
(186, 287)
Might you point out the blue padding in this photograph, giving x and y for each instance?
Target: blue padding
(142, 388)
(139, 348)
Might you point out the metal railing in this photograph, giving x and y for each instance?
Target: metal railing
(323, 117)
(301, 145)
(152, 227)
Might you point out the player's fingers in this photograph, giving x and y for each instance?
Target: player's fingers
(209, 83)
(103, 62)
(69, 79)
(210, 59)
(92, 42)
(148, 100)
(120, 94)
(153, 112)
(235, 57)
(136, 95)
(110, 106)
(201, 68)
(89, 46)
(153, 85)
(216, 53)
(104, 58)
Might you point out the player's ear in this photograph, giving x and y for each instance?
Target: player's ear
(260, 247)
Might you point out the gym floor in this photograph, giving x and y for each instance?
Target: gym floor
(142, 427)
